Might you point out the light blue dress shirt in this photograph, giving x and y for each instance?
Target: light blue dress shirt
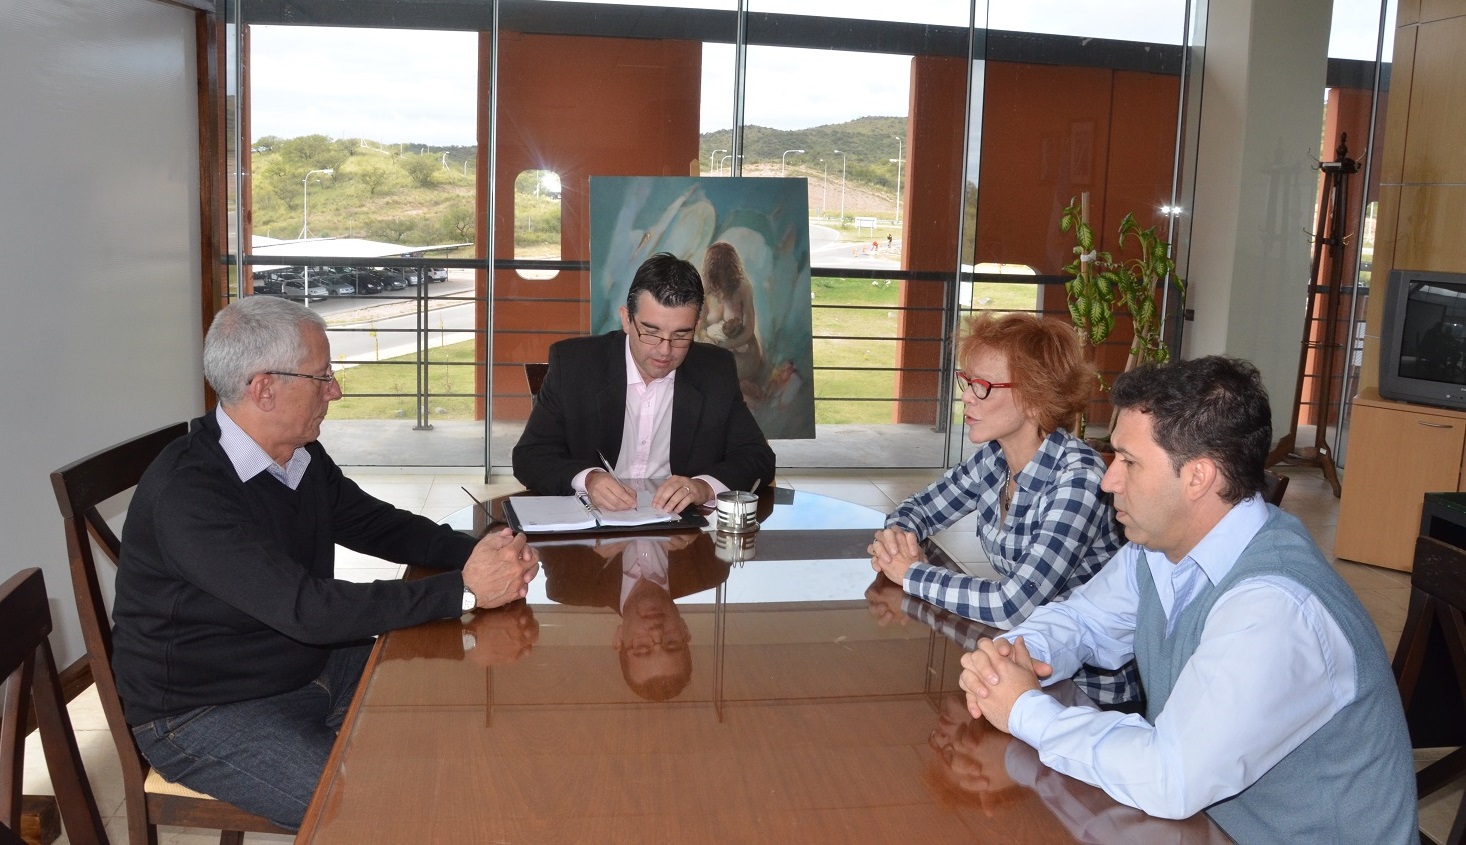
(250, 459)
(1272, 667)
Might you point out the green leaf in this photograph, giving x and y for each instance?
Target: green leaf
(1145, 316)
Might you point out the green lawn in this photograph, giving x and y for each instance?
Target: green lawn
(398, 376)
(865, 337)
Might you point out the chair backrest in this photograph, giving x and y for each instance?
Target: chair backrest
(534, 375)
(1273, 487)
(29, 670)
(80, 487)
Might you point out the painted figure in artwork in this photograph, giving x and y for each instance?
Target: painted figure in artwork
(729, 320)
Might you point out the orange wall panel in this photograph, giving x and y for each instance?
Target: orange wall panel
(634, 113)
(931, 230)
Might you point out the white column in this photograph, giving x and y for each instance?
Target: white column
(1262, 100)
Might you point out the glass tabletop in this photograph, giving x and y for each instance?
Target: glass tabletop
(678, 687)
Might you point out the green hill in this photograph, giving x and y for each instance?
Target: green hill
(869, 144)
(403, 194)
(418, 194)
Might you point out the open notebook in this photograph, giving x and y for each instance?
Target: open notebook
(532, 514)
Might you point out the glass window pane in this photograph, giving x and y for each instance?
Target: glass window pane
(360, 181)
(537, 220)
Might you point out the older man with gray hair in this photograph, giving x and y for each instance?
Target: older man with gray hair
(236, 649)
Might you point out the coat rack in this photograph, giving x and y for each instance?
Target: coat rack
(1325, 292)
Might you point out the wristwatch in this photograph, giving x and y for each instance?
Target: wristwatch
(470, 601)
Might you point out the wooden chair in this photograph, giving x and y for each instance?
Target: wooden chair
(1273, 487)
(29, 668)
(1430, 667)
(80, 487)
(534, 375)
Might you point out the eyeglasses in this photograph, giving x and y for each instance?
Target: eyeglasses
(980, 387)
(651, 339)
(643, 643)
(327, 379)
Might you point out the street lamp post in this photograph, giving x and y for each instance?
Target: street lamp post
(713, 160)
(782, 157)
(825, 190)
(305, 197)
(900, 142)
(842, 186)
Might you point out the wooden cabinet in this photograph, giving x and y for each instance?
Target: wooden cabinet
(1397, 453)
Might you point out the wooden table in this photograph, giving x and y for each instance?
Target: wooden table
(803, 720)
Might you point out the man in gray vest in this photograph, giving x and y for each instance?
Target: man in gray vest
(1269, 698)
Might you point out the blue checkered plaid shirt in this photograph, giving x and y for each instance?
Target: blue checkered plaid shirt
(1058, 533)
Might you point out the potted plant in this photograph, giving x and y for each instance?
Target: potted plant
(1102, 286)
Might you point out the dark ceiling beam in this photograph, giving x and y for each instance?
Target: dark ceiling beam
(764, 29)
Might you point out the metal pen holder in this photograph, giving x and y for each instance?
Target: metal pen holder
(735, 549)
(737, 512)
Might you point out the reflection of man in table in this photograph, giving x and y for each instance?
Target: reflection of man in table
(1093, 817)
(236, 650)
(647, 400)
(639, 578)
(500, 636)
(970, 755)
(1269, 700)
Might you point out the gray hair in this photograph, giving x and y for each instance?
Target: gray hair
(252, 335)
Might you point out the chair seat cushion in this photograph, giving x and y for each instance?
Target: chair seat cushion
(158, 785)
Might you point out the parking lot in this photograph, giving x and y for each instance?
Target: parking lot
(342, 308)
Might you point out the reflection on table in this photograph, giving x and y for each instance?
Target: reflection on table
(792, 714)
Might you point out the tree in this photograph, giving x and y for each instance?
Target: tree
(278, 181)
(422, 168)
(372, 174)
(458, 223)
(392, 229)
(313, 152)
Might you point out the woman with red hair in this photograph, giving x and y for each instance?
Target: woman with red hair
(1041, 518)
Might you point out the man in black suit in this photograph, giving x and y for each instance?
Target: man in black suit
(646, 401)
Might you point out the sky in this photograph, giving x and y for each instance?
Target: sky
(418, 86)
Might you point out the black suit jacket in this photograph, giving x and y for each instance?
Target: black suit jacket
(578, 576)
(581, 410)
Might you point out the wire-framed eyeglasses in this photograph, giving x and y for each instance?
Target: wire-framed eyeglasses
(652, 339)
(328, 379)
(980, 387)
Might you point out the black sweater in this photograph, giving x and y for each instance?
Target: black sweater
(225, 590)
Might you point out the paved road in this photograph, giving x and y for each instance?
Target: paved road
(378, 327)
(827, 250)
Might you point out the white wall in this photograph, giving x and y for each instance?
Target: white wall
(99, 257)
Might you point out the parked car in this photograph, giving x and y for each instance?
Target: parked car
(437, 274)
(297, 289)
(360, 279)
(388, 280)
(279, 274)
(409, 274)
(367, 285)
(336, 283)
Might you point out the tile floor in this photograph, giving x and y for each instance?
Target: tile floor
(1384, 593)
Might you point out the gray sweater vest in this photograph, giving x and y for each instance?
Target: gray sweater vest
(1354, 779)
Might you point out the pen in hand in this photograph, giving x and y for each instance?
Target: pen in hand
(607, 464)
(620, 498)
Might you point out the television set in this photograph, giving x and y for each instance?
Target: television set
(1423, 340)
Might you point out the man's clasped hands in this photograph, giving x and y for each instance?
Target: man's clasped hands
(995, 674)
